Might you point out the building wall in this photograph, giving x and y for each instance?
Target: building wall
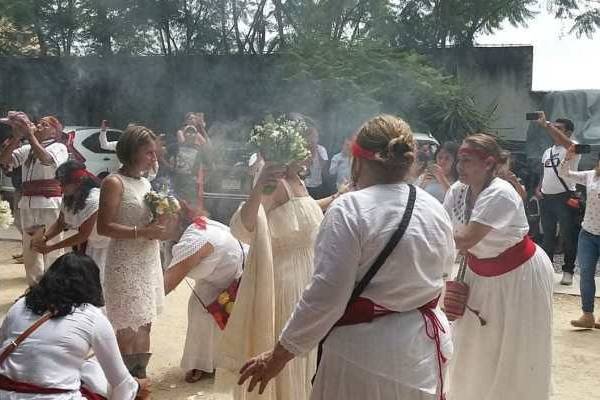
(497, 75)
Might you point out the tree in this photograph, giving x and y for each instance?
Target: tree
(585, 13)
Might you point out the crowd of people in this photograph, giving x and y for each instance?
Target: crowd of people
(307, 294)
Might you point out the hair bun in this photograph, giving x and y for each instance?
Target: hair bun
(397, 148)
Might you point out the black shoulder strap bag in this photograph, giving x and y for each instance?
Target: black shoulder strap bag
(381, 259)
(574, 201)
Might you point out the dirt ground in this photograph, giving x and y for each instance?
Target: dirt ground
(576, 353)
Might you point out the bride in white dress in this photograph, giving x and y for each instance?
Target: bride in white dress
(281, 231)
(133, 280)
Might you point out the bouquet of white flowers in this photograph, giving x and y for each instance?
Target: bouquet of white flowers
(6, 218)
(161, 203)
(281, 141)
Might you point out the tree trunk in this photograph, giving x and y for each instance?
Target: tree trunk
(280, 27)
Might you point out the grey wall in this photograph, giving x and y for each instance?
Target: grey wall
(499, 75)
(159, 90)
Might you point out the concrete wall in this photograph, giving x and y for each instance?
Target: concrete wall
(497, 75)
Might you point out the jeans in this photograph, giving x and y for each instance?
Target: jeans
(588, 253)
(554, 210)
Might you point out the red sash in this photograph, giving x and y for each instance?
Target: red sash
(21, 387)
(508, 260)
(363, 310)
(42, 187)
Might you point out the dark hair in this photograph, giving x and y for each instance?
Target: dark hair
(131, 140)
(569, 125)
(76, 201)
(71, 281)
(452, 149)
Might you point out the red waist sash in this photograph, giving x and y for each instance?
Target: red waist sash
(505, 262)
(42, 187)
(364, 310)
(21, 387)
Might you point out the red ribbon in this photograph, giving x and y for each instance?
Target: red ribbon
(79, 174)
(200, 222)
(360, 152)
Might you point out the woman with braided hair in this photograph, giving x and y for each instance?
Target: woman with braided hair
(391, 340)
(81, 196)
(503, 343)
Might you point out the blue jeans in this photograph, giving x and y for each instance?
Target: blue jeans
(588, 252)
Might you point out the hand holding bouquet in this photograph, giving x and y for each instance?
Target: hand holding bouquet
(162, 204)
(280, 141)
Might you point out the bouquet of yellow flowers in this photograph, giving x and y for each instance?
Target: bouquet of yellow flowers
(6, 218)
(161, 203)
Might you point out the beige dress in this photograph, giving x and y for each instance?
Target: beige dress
(287, 233)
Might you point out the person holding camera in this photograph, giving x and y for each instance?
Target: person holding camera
(588, 249)
(42, 194)
(556, 193)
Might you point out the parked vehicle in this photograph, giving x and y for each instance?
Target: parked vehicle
(86, 148)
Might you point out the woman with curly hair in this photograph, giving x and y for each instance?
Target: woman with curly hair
(81, 195)
(47, 364)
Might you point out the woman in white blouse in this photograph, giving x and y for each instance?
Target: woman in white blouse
(47, 365)
(588, 248)
(209, 254)
(503, 344)
(401, 353)
(81, 194)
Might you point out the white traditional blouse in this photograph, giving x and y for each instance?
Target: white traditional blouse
(74, 221)
(355, 230)
(498, 206)
(54, 354)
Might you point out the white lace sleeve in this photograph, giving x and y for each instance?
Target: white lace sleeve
(191, 241)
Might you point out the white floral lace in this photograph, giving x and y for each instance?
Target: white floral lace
(133, 280)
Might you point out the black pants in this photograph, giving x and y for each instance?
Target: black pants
(318, 192)
(555, 211)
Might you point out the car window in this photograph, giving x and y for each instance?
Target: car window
(92, 142)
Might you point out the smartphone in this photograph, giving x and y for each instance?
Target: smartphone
(532, 116)
(583, 148)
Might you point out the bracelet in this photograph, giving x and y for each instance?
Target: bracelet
(135, 236)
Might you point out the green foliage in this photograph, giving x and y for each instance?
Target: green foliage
(171, 27)
(584, 13)
(373, 79)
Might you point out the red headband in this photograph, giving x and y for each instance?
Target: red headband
(360, 152)
(77, 175)
(481, 154)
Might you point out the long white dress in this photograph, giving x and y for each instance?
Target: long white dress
(511, 356)
(133, 279)
(53, 356)
(97, 246)
(391, 357)
(214, 274)
(280, 264)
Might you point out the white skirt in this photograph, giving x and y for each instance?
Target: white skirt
(98, 254)
(511, 356)
(201, 338)
(389, 358)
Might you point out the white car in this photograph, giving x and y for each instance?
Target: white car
(86, 148)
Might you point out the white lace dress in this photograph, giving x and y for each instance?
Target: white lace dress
(133, 279)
